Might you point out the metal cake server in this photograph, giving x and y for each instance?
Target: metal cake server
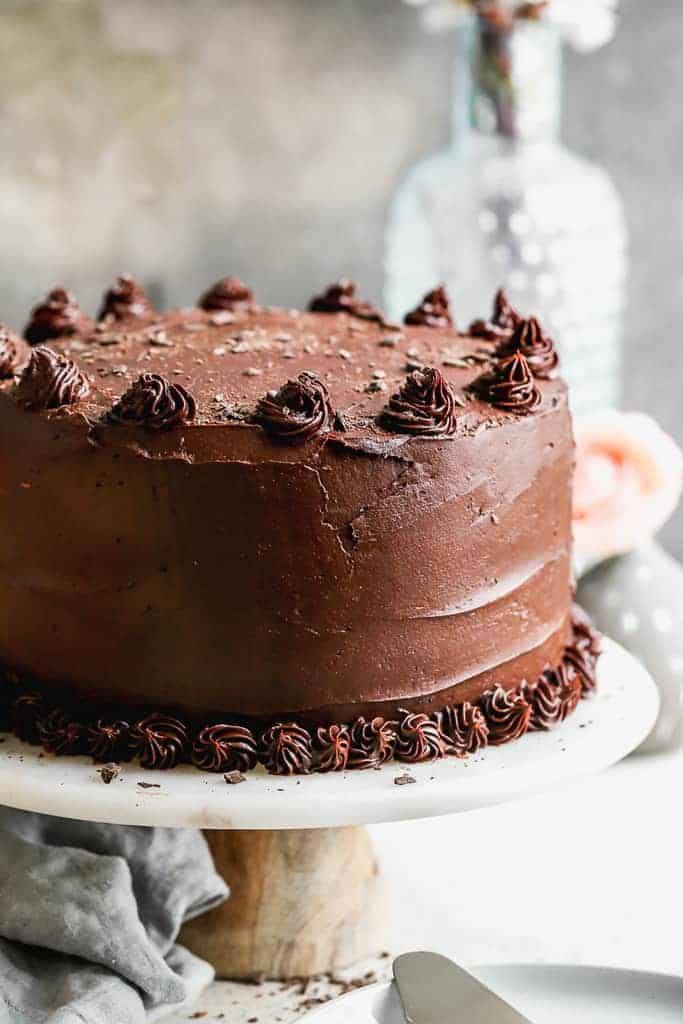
(434, 990)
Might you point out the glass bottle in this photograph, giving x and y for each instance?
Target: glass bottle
(508, 204)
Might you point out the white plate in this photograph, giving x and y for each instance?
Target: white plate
(601, 732)
(547, 995)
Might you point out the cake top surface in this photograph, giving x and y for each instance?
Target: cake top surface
(223, 364)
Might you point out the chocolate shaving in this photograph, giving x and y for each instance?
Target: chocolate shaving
(433, 311)
(159, 741)
(108, 772)
(225, 748)
(57, 317)
(50, 381)
(298, 411)
(125, 299)
(404, 780)
(286, 749)
(155, 403)
(227, 294)
(424, 406)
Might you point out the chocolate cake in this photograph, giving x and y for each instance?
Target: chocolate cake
(234, 534)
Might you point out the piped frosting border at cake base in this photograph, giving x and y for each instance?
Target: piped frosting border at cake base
(161, 740)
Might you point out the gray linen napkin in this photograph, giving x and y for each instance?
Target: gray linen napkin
(89, 915)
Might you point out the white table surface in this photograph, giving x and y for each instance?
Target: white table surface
(591, 874)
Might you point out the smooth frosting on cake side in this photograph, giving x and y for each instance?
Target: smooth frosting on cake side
(271, 514)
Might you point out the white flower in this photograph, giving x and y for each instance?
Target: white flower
(585, 24)
(627, 483)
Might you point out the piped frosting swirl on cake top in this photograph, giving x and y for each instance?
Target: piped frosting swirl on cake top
(340, 369)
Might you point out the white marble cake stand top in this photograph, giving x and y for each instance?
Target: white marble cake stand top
(601, 732)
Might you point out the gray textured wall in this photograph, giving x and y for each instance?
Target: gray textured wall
(264, 137)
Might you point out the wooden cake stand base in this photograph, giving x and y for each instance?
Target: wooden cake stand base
(303, 902)
(306, 894)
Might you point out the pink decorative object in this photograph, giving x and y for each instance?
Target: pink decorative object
(628, 480)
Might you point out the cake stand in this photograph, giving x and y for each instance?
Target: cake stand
(307, 896)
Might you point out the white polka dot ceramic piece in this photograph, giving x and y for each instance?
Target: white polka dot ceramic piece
(547, 995)
(638, 600)
(601, 732)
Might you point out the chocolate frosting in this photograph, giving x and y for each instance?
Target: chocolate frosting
(227, 294)
(420, 738)
(433, 311)
(50, 381)
(536, 347)
(8, 353)
(225, 748)
(286, 749)
(425, 405)
(465, 727)
(341, 297)
(503, 320)
(320, 582)
(373, 742)
(458, 730)
(332, 748)
(583, 652)
(299, 410)
(108, 741)
(155, 403)
(61, 734)
(26, 712)
(553, 697)
(125, 299)
(159, 741)
(57, 317)
(510, 386)
(507, 714)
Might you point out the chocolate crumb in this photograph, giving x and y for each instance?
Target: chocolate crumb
(234, 778)
(109, 772)
(160, 339)
(199, 1014)
(404, 780)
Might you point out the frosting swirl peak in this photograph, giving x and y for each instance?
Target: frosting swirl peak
(226, 294)
(537, 348)
(510, 386)
(58, 316)
(50, 381)
(8, 353)
(425, 405)
(125, 298)
(298, 411)
(155, 403)
(504, 319)
(433, 311)
(341, 297)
